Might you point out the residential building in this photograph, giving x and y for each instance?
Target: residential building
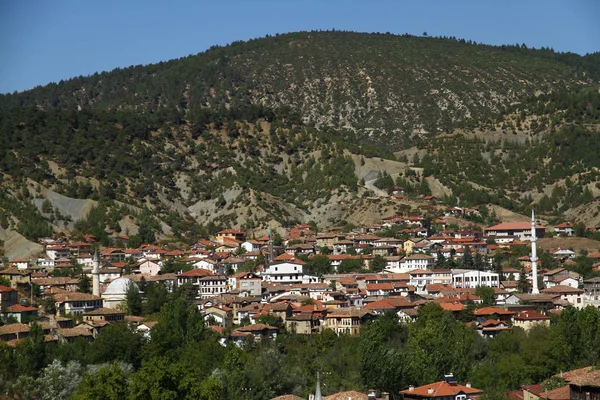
(416, 261)
(8, 297)
(76, 303)
(347, 321)
(464, 278)
(447, 389)
(288, 272)
(530, 318)
(573, 295)
(519, 230)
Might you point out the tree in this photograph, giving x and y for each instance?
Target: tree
(523, 283)
(49, 304)
(58, 381)
(133, 300)
(319, 265)
(108, 383)
(31, 352)
(377, 264)
(349, 265)
(487, 295)
(467, 260)
(117, 342)
(84, 284)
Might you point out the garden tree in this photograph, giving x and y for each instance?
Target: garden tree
(479, 261)
(118, 342)
(377, 264)
(440, 260)
(497, 261)
(4, 281)
(157, 294)
(467, 259)
(235, 380)
(133, 300)
(487, 295)
(108, 383)
(270, 319)
(175, 266)
(437, 342)
(349, 265)
(319, 265)
(383, 354)
(579, 229)
(523, 283)
(179, 323)
(49, 305)
(158, 379)
(84, 284)
(58, 381)
(30, 354)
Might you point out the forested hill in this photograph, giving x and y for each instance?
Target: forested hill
(369, 85)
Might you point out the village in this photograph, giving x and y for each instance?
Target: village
(306, 282)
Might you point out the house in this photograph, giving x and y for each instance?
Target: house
(228, 234)
(520, 230)
(20, 312)
(564, 229)
(563, 254)
(246, 282)
(465, 278)
(220, 314)
(104, 314)
(288, 273)
(585, 385)
(149, 268)
(489, 328)
(416, 261)
(76, 303)
(447, 389)
(571, 294)
(347, 321)
(591, 289)
(494, 312)
(529, 318)
(303, 323)
(16, 277)
(8, 297)
(13, 331)
(259, 331)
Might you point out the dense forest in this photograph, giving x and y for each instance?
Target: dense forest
(182, 359)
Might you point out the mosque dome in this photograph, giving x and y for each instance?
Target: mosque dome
(119, 287)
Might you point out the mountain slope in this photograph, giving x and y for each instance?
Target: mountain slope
(368, 85)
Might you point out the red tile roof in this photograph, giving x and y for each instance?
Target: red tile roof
(196, 272)
(440, 389)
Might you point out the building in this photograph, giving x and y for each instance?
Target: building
(206, 283)
(573, 295)
(447, 389)
(104, 314)
(230, 235)
(8, 297)
(76, 303)
(529, 318)
(518, 230)
(116, 292)
(347, 321)
(288, 273)
(416, 261)
(465, 278)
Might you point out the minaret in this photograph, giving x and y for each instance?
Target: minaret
(318, 395)
(96, 275)
(534, 276)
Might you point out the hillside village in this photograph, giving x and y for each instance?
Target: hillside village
(306, 281)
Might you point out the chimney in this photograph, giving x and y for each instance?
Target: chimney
(468, 384)
(411, 388)
(430, 390)
(385, 396)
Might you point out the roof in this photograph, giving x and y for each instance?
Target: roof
(13, 328)
(196, 272)
(531, 315)
(255, 328)
(17, 308)
(352, 394)
(74, 332)
(591, 377)
(492, 310)
(74, 296)
(513, 226)
(440, 389)
(105, 311)
(562, 393)
(287, 397)
(562, 289)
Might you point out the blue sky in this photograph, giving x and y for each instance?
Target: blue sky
(45, 41)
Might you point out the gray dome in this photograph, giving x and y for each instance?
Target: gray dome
(119, 286)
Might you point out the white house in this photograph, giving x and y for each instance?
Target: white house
(416, 261)
(571, 294)
(150, 268)
(250, 245)
(465, 278)
(288, 272)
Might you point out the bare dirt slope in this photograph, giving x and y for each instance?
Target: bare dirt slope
(17, 246)
(575, 243)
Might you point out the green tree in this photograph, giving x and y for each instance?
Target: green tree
(349, 265)
(487, 295)
(133, 300)
(377, 264)
(84, 284)
(108, 383)
(59, 381)
(523, 284)
(319, 265)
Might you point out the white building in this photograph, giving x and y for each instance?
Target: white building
(466, 278)
(415, 261)
(206, 283)
(420, 278)
(288, 272)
